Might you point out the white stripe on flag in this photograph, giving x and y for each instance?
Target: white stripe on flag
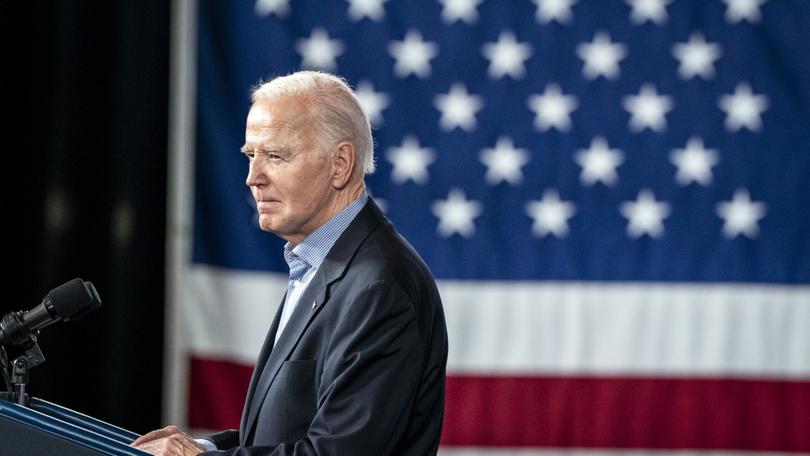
(529, 328)
(229, 311)
(678, 329)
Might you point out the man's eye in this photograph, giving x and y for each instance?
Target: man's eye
(268, 155)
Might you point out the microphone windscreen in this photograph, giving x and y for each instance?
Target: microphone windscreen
(73, 299)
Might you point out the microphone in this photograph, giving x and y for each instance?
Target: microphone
(67, 302)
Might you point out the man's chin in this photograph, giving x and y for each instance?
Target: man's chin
(266, 224)
(272, 225)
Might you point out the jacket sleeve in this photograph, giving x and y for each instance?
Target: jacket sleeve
(370, 378)
(225, 439)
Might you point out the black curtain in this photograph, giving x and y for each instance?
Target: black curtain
(90, 198)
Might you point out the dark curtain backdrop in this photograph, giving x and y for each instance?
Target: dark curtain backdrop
(91, 192)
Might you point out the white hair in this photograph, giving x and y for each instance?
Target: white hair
(337, 113)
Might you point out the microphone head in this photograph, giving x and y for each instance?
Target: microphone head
(72, 300)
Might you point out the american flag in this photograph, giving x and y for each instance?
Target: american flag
(614, 197)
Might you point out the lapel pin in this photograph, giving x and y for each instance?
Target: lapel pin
(314, 304)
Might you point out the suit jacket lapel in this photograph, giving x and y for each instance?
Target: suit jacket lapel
(299, 320)
(309, 305)
(267, 348)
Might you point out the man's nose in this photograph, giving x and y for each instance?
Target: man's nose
(255, 175)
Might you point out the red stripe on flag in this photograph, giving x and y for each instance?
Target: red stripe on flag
(217, 391)
(603, 412)
(574, 412)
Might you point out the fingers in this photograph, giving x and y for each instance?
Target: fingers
(158, 434)
(176, 444)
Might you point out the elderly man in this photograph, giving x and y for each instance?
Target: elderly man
(354, 361)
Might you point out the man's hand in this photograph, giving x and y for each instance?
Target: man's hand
(169, 441)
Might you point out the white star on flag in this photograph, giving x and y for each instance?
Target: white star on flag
(506, 56)
(456, 214)
(410, 161)
(743, 108)
(601, 57)
(413, 55)
(550, 214)
(554, 10)
(694, 162)
(645, 215)
(647, 109)
(504, 162)
(458, 108)
(372, 9)
(696, 57)
(737, 10)
(280, 8)
(741, 215)
(374, 103)
(599, 162)
(552, 108)
(464, 10)
(648, 10)
(318, 51)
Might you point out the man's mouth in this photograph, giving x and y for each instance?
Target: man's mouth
(266, 204)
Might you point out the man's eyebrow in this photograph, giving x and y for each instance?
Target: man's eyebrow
(268, 150)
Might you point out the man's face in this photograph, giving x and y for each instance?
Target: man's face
(289, 175)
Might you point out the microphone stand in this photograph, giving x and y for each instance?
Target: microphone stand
(15, 373)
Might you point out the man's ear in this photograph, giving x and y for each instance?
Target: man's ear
(343, 164)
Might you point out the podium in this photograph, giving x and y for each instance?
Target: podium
(47, 429)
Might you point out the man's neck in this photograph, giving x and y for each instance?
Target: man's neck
(347, 196)
(340, 202)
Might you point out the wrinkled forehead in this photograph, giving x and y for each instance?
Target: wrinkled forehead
(286, 118)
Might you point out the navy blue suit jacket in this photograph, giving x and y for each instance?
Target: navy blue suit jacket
(360, 367)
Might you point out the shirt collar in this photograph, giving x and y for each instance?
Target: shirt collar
(317, 245)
